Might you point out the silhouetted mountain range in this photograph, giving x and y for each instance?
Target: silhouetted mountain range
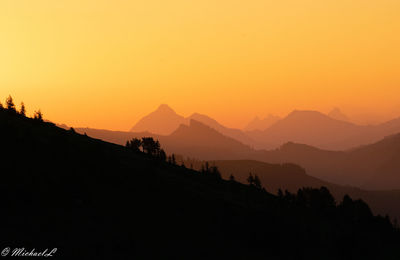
(292, 177)
(165, 121)
(307, 127)
(230, 132)
(195, 140)
(372, 166)
(316, 129)
(96, 200)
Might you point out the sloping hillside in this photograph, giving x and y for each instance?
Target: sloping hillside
(96, 200)
(195, 140)
(292, 178)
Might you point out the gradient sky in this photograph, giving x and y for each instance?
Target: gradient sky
(105, 64)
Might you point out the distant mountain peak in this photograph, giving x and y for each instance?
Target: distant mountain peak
(337, 114)
(164, 120)
(305, 114)
(165, 108)
(261, 124)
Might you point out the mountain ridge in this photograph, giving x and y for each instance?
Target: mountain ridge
(301, 126)
(353, 167)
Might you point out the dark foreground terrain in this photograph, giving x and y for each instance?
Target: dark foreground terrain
(96, 200)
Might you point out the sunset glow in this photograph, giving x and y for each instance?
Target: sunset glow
(105, 64)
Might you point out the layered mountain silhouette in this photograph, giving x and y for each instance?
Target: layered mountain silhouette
(313, 128)
(195, 140)
(97, 200)
(230, 132)
(374, 166)
(319, 130)
(261, 124)
(361, 167)
(165, 120)
(292, 177)
(371, 166)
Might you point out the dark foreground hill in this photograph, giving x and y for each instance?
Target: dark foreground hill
(292, 177)
(96, 200)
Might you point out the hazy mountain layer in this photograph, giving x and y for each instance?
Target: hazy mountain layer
(313, 128)
(292, 178)
(373, 166)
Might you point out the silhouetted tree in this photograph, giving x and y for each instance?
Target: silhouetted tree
(162, 156)
(326, 197)
(214, 171)
(355, 209)
(38, 115)
(150, 146)
(316, 199)
(289, 196)
(72, 130)
(1, 106)
(10, 106)
(280, 193)
(250, 179)
(173, 160)
(232, 178)
(134, 144)
(257, 182)
(22, 111)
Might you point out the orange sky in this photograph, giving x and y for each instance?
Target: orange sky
(105, 64)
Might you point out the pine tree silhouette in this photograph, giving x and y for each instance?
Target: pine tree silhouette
(38, 116)
(134, 144)
(257, 182)
(22, 111)
(10, 106)
(250, 179)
